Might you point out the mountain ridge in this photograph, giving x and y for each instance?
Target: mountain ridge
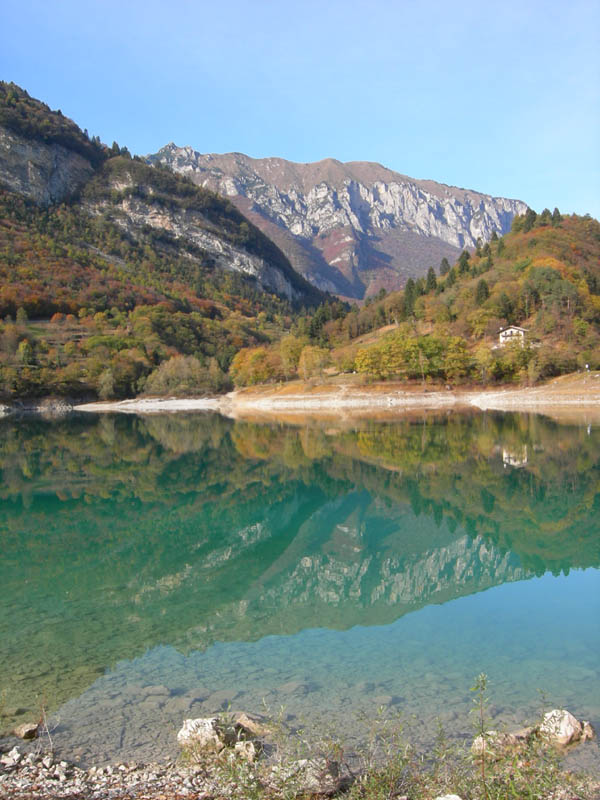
(349, 228)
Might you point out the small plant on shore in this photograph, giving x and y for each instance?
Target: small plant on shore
(3, 695)
(481, 701)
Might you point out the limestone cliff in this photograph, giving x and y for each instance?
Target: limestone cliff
(134, 206)
(349, 228)
(44, 172)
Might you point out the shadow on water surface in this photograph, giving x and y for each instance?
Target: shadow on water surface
(135, 549)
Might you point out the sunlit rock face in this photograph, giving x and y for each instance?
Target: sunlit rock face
(191, 227)
(45, 173)
(349, 228)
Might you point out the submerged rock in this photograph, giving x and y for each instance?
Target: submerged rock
(27, 730)
(248, 725)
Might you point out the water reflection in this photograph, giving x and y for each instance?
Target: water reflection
(121, 535)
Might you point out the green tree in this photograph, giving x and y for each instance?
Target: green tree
(312, 362)
(482, 292)
(456, 359)
(484, 359)
(431, 283)
(530, 220)
(463, 262)
(25, 352)
(106, 385)
(505, 308)
(290, 348)
(410, 295)
(444, 266)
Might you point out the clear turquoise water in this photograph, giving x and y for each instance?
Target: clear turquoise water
(176, 566)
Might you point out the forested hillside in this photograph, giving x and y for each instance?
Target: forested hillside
(544, 276)
(135, 279)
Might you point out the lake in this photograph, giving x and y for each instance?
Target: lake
(174, 566)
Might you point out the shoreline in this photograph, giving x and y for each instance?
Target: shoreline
(573, 397)
(564, 397)
(243, 756)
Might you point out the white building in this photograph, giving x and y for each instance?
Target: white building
(512, 333)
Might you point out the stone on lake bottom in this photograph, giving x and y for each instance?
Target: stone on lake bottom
(249, 725)
(27, 730)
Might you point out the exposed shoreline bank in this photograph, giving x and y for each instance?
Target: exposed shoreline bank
(567, 397)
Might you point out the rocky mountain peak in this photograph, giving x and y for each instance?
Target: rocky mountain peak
(350, 228)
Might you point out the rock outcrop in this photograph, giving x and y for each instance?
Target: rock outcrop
(349, 228)
(45, 173)
(195, 232)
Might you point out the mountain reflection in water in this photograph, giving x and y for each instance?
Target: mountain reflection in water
(122, 534)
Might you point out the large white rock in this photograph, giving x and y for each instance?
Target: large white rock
(202, 733)
(560, 727)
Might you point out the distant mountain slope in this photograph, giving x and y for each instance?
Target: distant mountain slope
(48, 159)
(146, 266)
(349, 228)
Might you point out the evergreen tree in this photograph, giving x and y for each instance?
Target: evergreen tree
(444, 266)
(463, 262)
(556, 217)
(505, 308)
(410, 295)
(530, 220)
(431, 283)
(482, 292)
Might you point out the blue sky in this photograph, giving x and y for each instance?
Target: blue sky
(499, 97)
